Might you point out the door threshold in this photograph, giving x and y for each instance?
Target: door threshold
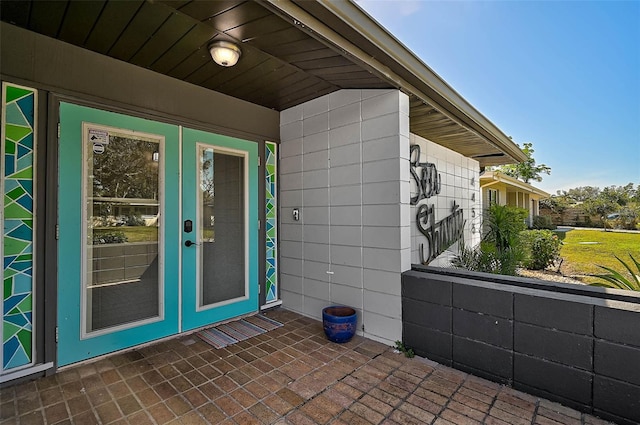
(25, 372)
(155, 341)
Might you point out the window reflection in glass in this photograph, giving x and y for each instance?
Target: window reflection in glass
(123, 226)
(222, 226)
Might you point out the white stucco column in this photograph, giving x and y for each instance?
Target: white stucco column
(345, 167)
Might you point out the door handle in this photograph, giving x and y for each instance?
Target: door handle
(188, 243)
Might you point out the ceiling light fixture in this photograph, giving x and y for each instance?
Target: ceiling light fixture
(224, 53)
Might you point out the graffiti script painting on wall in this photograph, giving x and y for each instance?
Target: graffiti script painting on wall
(441, 235)
(425, 175)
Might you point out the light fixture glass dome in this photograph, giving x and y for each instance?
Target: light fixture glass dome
(224, 53)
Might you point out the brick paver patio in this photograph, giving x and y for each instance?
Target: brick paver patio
(292, 375)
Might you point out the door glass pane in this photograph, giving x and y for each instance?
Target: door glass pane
(222, 226)
(123, 226)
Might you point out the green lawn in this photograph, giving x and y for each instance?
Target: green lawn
(133, 233)
(582, 258)
(143, 233)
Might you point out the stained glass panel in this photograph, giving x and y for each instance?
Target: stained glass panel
(271, 221)
(18, 130)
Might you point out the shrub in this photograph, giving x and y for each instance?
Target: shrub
(542, 248)
(109, 237)
(543, 222)
(134, 220)
(486, 258)
(475, 259)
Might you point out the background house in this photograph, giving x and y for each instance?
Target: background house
(498, 188)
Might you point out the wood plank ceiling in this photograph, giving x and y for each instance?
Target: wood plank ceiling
(282, 65)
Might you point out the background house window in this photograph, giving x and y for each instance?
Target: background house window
(493, 196)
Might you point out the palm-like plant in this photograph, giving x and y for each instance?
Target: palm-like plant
(617, 280)
(500, 251)
(503, 225)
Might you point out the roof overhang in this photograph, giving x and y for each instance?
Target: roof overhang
(489, 178)
(293, 51)
(437, 111)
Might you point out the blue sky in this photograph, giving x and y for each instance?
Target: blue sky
(563, 75)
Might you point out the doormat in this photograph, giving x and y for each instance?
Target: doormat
(229, 333)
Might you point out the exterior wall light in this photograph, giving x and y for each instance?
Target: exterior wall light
(224, 53)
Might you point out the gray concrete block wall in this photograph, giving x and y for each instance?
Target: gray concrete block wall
(580, 349)
(481, 359)
(345, 165)
(616, 384)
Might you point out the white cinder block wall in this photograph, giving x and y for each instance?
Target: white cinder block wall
(460, 181)
(345, 165)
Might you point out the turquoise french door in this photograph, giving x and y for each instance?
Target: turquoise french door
(220, 228)
(125, 273)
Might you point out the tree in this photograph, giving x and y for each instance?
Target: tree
(526, 170)
(583, 193)
(614, 206)
(556, 203)
(619, 200)
(126, 169)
